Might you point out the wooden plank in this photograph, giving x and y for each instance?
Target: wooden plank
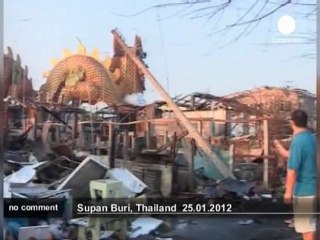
(110, 137)
(33, 118)
(81, 139)
(111, 146)
(57, 134)
(133, 142)
(223, 169)
(147, 134)
(188, 153)
(165, 140)
(98, 145)
(75, 126)
(45, 131)
(126, 145)
(178, 137)
(265, 152)
(174, 172)
(255, 156)
(232, 156)
(191, 165)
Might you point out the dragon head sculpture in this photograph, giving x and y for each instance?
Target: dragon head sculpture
(87, 78)
(128, 78)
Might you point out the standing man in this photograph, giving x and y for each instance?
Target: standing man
(301, 179)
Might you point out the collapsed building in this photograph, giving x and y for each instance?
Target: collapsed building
(185, 146)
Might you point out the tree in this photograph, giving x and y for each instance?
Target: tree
(250, 13)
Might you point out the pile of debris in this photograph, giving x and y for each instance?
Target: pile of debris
(35, 171)
(67, 175)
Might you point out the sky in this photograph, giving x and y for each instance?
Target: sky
(182, 53)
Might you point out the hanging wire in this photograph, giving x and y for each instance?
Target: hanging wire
(163, 53)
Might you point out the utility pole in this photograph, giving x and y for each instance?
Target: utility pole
(204, 145)
(2, 121)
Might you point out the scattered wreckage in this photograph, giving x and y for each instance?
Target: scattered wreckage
(135, 152)
(82, 176)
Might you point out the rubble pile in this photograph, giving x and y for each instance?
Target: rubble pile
(65, 175)
(61, 174)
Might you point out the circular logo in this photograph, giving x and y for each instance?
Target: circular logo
(286, 25)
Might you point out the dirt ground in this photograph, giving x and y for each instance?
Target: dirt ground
(222, 228)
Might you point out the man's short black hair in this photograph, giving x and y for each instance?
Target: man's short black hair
(299, 118)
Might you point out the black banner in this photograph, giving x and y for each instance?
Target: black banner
(57, 208)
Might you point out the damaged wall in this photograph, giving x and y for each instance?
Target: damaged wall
(279, 102)
(206, 128)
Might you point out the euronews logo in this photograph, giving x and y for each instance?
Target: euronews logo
(286, 26)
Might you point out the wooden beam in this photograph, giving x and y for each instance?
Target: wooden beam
(266, 153)
(191, 165)
(111, 146)
(126, 145)
(168, 144)
(223, 169)
(110, 129)
(56, 116)
(169, 120)
(147, 135)
(57, 134)
(174, 164)
(75, 126)
(133, 142)
(98, 145)
(193, 102)
(231, 156)
(45, 131)
(165, 140)
(254, 156)
(81, 139)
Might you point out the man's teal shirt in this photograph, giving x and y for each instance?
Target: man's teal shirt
(303, 159)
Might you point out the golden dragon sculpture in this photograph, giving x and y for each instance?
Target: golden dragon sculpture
(88, 79)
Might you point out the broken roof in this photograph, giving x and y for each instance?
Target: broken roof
(204, 101)
(301, 92)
